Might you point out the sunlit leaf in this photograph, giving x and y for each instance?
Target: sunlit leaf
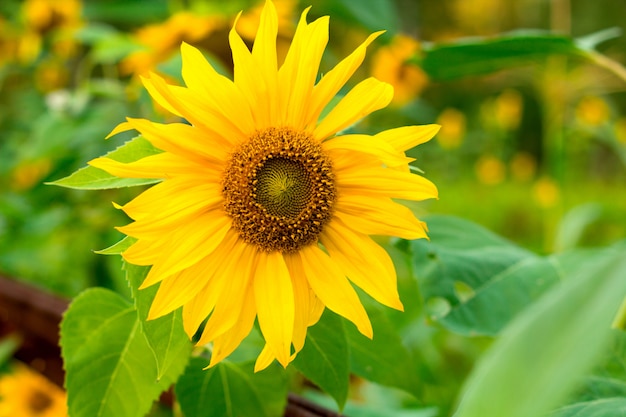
(167, 339)
(325, 357)
(119, 247)
(541, 356)
(91, 178)
(110, 370)
(231, 390)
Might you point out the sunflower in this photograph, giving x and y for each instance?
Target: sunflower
(25, 393)
(264, 211)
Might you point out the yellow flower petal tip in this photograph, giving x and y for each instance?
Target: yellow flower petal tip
(265, 211)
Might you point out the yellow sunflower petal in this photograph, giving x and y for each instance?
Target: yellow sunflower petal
(172, 197)
(379, 216)
(122, 127)
(407, 137)
(199, 307)
(365, 263)
(264, 54)
(248, 80)
(190, 243)
(225, 344)
(157, 95)
(180, 139)
(333, 288)
(265, 359)
(176, 290)
(369, 145)
(273, 292)
(366, 97)
(144, 252)
(302, 294)
(197, 111)
(218, 90)
(239, 268)
(334, 80)
(299, 71)
(385, 182)
(160, 166)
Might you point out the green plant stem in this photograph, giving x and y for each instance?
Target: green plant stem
(607, 63)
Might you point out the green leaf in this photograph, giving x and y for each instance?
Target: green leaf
(479, 56)
(8, 346)
(383, 359)
(500, 299)
(91, 178)
(606, 407)
(325, 356)
(541, 356)
(118, 247)
(166, 336)
(596, 387)
(463, 261)
(231, 390)
(109, 368)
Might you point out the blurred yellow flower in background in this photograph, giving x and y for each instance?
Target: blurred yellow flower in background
(25, 393)
(593, 111)
(490, 170)
(546, 192)
(523, 166)
(51, 74)
(161, 40)
(452, 122)
(41, 17)
(9, 42)
(508, 109)
(391, 64)
(29, 173)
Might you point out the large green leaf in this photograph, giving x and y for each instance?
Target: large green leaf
(469, 267)
(606, 407)
(90, 178)
(478, 56)
(110, 371)
(541, 356)
(492, 305)
(167, 338)
(231, 390)
(383, 359)
(325, 357)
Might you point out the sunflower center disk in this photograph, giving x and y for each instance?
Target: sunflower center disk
(279, 189)
(283, 187)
